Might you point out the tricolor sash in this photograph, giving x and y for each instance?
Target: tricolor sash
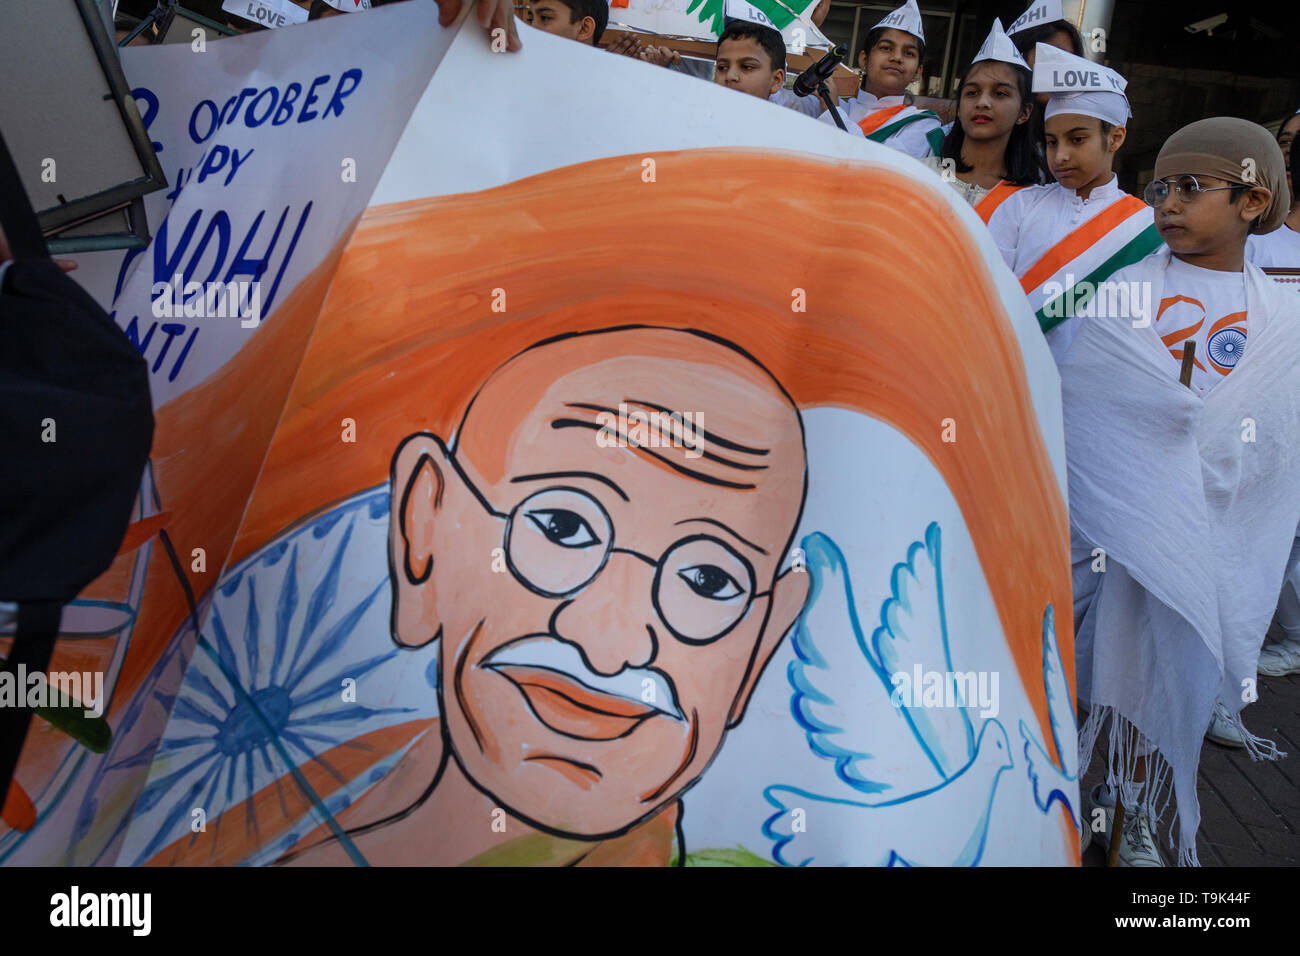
(1067, 275)
(993, 198)
(882, 124)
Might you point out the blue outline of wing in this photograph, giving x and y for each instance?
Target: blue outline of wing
(970, 855)
(821, 549)
(1057, 688)
(917, 717)
(1060, 703)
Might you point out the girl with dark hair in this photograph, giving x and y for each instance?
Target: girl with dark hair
(989, 153)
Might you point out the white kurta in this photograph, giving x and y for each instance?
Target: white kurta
(1279, 249)
(911, 139)
(1034, 219)
(807, 105)
(1194, 503)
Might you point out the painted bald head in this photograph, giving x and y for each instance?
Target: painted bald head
(600, 554)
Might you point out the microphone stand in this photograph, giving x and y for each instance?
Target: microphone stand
(824, 92)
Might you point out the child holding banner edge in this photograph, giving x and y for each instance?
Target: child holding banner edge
(1063, 241)
(890, 59)
(1183, 500)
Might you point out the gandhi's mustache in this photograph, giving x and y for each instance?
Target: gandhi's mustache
(641, 685)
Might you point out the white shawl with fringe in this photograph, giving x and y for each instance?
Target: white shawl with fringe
(1195, 503)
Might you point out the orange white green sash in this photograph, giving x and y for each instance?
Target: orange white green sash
(993, 198)
(882, 124)
(1067, 275)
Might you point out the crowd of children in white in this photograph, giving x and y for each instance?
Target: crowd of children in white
(1181, 400)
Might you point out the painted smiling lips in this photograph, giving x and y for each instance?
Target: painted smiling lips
(573, 709)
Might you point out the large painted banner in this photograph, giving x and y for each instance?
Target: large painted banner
(620, 487)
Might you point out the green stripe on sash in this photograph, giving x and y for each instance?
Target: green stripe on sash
(935, 136)
(889, 129)
(1135, 250)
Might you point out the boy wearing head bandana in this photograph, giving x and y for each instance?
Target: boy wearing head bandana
(1063, 239)
(1188, 494)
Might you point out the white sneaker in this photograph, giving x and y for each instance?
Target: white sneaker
(1279, 660)
(1138, 847)
(1222, 730)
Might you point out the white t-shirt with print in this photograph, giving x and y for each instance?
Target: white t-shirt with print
(1208, 307)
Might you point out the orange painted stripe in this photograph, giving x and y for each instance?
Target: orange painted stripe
(994, 198)
(262, 818)
(1231, 319)
(1074, 245)
(138, 532)
(869, 124)
(19, 811)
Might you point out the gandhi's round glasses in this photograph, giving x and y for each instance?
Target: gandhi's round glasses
(1186, 188)
(559, 539)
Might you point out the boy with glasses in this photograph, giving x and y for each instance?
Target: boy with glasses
(1184, 497)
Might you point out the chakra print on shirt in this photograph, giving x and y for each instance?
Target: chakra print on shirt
(1225, 341)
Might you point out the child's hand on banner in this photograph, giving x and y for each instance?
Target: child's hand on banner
(626, 45)
(492, 15)
(661, 56)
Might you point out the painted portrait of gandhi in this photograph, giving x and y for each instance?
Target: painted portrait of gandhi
(603, 608)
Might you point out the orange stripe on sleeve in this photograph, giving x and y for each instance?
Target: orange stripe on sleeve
(1073, 245)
